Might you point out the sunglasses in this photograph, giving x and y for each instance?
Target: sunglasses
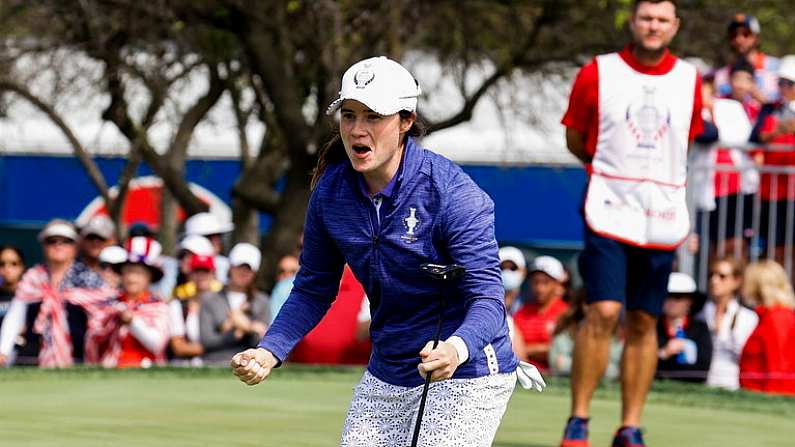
(94, 238)
(720, 275)
(10, 264)
(58, 241)
(740, 32)
(283, 271)
(509, 265)
(785, 83)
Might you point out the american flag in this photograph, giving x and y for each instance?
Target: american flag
(51, 323)
(106, 332)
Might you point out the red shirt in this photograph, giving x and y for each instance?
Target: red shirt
(583, 112)
(785, 183)
(767, 362)
(133, 354)
(333, 340)
(537, 326)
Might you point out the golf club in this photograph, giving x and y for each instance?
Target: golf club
(447, 274)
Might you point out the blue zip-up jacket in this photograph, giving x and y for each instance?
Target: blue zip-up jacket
(433, 213)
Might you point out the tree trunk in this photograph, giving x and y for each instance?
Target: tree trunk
(288, 223)
(168, 222)
(246, 221)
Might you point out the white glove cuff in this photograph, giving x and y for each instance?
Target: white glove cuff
(461, 347)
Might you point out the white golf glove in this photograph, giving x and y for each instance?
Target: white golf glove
(529, 377)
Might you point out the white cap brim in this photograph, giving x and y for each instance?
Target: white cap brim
(58, 229)
(407, 104)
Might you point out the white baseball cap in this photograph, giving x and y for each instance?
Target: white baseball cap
(381, 84)
(514, 255)
(113, 255)
(58, 227)
(681, 283)
(786, 69)
(100, 225)
(198, 245)
(205, 224)
(550, 266)
(245, 253)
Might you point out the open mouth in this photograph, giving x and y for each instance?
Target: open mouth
(361, 149)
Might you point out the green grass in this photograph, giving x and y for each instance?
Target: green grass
(306, 407)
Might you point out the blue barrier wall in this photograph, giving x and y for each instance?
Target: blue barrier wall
(535, 205)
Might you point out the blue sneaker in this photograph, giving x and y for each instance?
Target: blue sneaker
(576, 433)
(628, 437)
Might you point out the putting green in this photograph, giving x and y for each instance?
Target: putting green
(303, 406)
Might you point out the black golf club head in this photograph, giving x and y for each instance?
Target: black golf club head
(443, 272)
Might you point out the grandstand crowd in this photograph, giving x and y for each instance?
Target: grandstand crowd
(121, 304)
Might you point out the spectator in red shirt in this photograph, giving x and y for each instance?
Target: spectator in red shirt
(767, 362)
(776, 126)
(131, 330)
(727, 178)
(334, 340)
(536, 320)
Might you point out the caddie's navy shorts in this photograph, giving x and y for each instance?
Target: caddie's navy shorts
(634, 276)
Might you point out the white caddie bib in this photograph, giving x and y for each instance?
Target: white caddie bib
(636, 193)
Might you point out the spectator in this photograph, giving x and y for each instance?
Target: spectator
(536, 320)
(335, 340)
(53, 300)
(141, 229)
(513, 267)
(729, 322)
(176, 282)
(725, 192)
(767, 362)
(131, 329)
(685, 343)
(12, 265)
(776, 125)
(743, 34)
(286, 269)
(236, 318)
(109, 258)
(184, 313)
(561, 352)
(211, 227)
(97, 234)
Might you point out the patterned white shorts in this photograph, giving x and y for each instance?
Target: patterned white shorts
(458, 412)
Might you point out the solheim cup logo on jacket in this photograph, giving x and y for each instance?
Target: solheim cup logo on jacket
(411, 222)
(646, 121)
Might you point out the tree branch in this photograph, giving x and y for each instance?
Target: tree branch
(502, 70)
(82, 155)
(116, 113)
(196, 113)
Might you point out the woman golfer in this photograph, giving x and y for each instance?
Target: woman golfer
(385, 206)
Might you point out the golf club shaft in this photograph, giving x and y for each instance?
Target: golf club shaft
(427, 386)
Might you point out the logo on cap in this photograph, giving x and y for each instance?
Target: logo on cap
(363, 77)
